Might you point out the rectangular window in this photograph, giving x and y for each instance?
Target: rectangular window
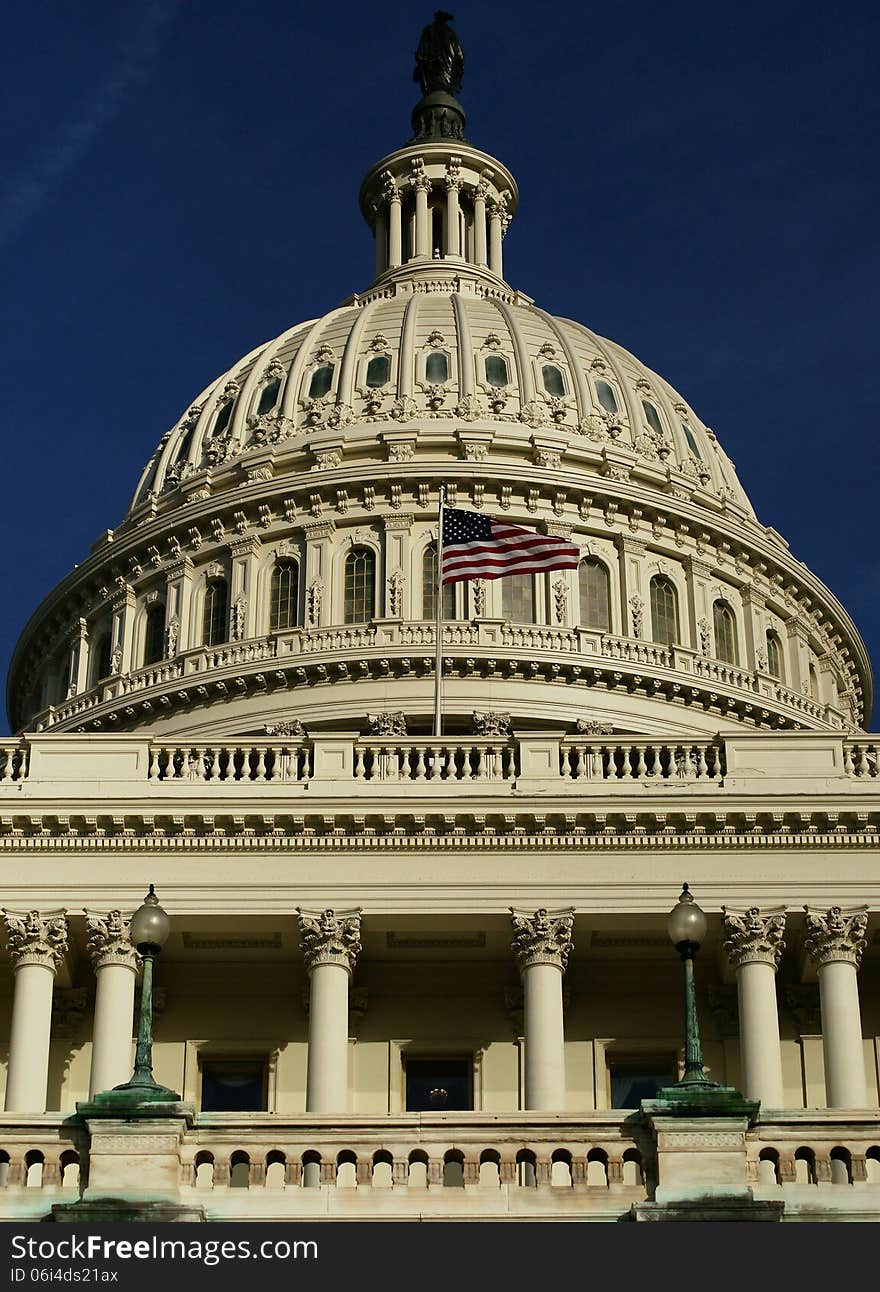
(518, 598)
(234, 1085)
(439, 1085)
(633, 1078)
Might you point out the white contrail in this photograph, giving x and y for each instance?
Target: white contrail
(24, 193)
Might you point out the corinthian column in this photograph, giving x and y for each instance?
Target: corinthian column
(330, 944)
(835, 942)
(542, 945)
(116, 964)
(37, 945)
(754, 944)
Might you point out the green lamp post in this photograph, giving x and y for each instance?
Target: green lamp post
(686, 925)
(148, 932)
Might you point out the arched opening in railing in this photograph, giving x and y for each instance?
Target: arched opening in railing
(490, 1168)
(804, 1166)
(841, 1165)
(203, 1170)
(346, 1170)
(33, 1164)
(633, 1174)
(276, 1167)
(239, 1170)
(311, 1169)
(417, 1176)
(560, 1168)
(872, 1164)
(597, 1167)
(4, 1168)
(383, 1173)
(68, 1169)
(768, 1166)
(453, 1169)
(526, 1169)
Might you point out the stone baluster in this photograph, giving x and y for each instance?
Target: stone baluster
(330, 944)
(115, 962)
(754, 944)
(542, 945)
(37, 945)
(835, 942)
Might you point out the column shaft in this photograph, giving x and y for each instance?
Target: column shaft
(112, 1028)
(423, 225)
(845, 1085)
(544, 1037)
(453, 238)
(760, 1052)
(395, 235)
(28, 1074)
(327, 1080)
(480, 254)
(496, 262)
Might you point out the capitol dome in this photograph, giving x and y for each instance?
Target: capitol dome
(277, 564)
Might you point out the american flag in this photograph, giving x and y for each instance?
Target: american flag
(482, 547)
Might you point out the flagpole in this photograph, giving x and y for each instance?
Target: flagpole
(438, 666)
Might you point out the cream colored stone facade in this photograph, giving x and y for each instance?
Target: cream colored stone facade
(231, 698)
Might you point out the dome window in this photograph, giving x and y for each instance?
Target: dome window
(154, 634)
(664, 611)
(554, 383)
(496, 370)
(360, 586)
(284, 596)
(223, 417)
(183, 451)
(437, 367)
(269, 396)
(102, 659)
(322, 380)
(652, 417)
(215, 612)
(379, 371)
(774, 657)
(606, 396)
(724, 624)
(595, 598)
(518, 598)
(691, 440)
(429, 587)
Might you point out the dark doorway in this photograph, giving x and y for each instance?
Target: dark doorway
(439, 1085)
(635, 1079)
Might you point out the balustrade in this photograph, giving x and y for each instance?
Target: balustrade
(426, 759)
(13, 761)
(227, 763)
(646, 760)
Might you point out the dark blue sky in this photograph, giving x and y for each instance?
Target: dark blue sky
(180, 183)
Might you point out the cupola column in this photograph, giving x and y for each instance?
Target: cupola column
(422, 187)
(395, 229)
(497, 217)
(481, 192)
(835, 942)
(330, 942)
(115, 962)
(754, 945)
(453, 189)
(542, 945)
(37, 945)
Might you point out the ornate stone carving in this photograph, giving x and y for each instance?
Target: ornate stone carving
(636, 610)
(172, 635)
(753, 936)
(314, 598)
(550, 458)
(36, 940)
(108, 941)
(560, 600)
(401, 451)
(590, 727)
(396, 584)
(390, 722)
(404, 409)
(328, 939)
(488, 723)
(326, 459)
(534, 413)
(478, 587)
(474, 450)
(705, 637)
(837, 935)
(469, 408)
(239, 618)
(291, 727)
(543, 938)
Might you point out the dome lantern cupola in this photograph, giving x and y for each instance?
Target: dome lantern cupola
(439, 199)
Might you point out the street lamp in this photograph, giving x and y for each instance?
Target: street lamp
(686, 925)
(148, 932)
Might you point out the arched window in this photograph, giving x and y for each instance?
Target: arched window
(518, 598)
(154, 634)
(437, 367)
(222, 419)
(360, 586)
(814, 683)
(775, 666)
(284, 596)
(554, 383)
(322, 380)
(378, 370)
(692, 440)
(269, 396)
(606, 396)
(652, 417)
(183, 448)
(215, 612)
(429, 587)
(664, 611)
(595, 596)
(496, 370)
(724, 624)
(101, 667)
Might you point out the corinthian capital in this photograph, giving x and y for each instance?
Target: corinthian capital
(754, 936)
(543, 938)
(35, 939)
(837, 935)
(326, 938)
(108, 942)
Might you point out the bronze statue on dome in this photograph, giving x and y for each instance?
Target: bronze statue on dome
(439, 57)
